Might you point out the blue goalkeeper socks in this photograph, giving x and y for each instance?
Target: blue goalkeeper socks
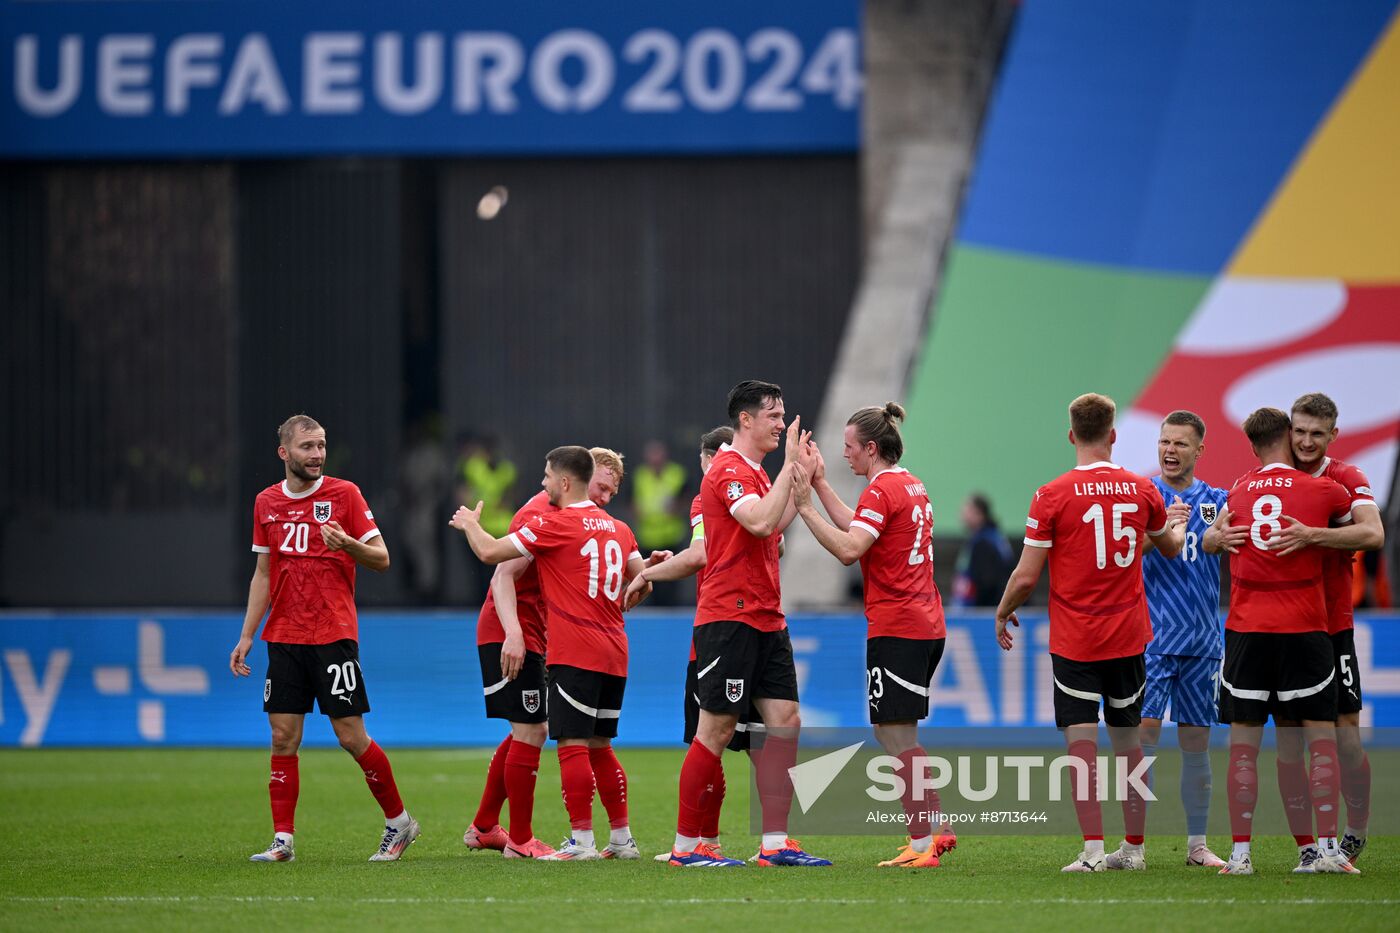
(1195, 791)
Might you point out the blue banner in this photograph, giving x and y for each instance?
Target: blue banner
(163, 679)
(254, 77)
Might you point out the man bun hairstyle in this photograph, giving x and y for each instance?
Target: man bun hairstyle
(1091, 417)
(1318, 406)
(609, 459)
(574, 460)
(289, 428)
(749, 396)
(1183, 418)
(881, 425)
(711, 441)
(1266, 427)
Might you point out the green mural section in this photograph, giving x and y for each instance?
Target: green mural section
(1013, 340)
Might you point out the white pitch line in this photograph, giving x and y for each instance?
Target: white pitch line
(969, 902)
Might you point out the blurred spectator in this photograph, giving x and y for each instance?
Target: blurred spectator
(985, 562)
(657, 487)
(425, 476)
(483, 474)
(1370, 585)
(661, 516)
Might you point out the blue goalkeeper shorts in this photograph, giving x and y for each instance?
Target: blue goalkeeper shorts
(1190, 687)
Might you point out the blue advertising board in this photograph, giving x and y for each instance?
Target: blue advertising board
(128, 78)
(162, 679)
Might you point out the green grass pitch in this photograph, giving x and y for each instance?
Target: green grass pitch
(159, 839)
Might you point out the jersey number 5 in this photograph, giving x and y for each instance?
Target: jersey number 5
(1095, 515)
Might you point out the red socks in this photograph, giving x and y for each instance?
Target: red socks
(283, 785)
(1243, 786)
(1085, 792)
(771, 764)
(1293, 788)
(916, 807)
(1324, 782)
(380, 778)
(576, 776)
(612, 784)
(1356, 790)
(521, 768)
(709, 827)
(488, 812)
(697, 786)
(1134, 807)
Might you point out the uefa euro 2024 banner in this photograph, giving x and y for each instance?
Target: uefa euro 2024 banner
(163, 679)
(256, 77)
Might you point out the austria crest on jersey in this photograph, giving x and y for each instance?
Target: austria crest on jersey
(321, 511)
(1208, 512)
(734, 690)
(530, 699)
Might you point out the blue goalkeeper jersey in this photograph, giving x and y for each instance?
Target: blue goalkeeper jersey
(1183, 593)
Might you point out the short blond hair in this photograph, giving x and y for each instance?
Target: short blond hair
(289, 428)
(611, 459)
(1091, 417)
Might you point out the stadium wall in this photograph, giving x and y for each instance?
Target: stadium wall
(161, 679)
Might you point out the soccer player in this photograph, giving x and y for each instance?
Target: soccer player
(511, 646)
(692, 561)
(1183, 599)
(585, 557)
(1278, 656)
(1091, 525)
(1313, 429)
(890, 532)
(304, 582)
(743, 653)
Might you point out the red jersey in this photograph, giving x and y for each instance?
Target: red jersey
(582, 554)
(529, 604)
(311, 588)
(1094, 519)
(901, 599)
(1272, 592)
(741, 583)
(1337, 565)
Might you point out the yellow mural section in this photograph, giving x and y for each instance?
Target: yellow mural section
(1335, 215)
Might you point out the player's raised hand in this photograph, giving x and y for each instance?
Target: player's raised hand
(819, 463)
(657, 557)
(801, 485)
(1178, 513)
(1004, 637)
(465, 516)
(794, 440)
(238, 660)
(1292, 536)
(334, 536)
(512, 655)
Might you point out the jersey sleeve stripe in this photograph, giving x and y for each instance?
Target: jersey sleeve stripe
(1159, 532)
(753, 496)
(372, 533)
(866, 528)
(1345, 518)
(635, 555)
(697, 520)
(1356, 502)
(1035, 542)
(262, 549)
(515, 540)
